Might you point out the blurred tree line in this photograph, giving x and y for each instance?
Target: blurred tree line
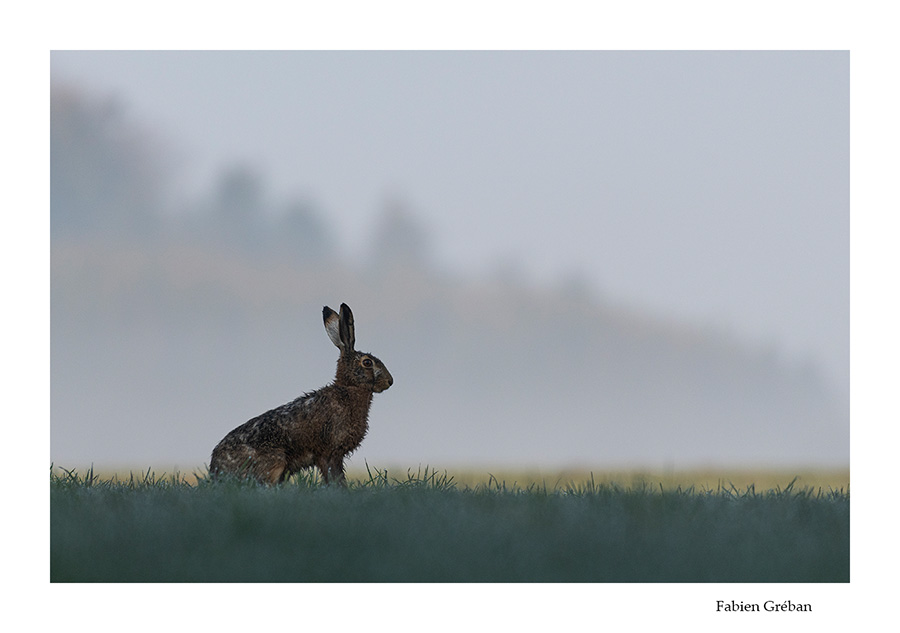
(103, 178)
(108, 180)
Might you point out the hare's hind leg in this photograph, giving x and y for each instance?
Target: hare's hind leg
(271, 470)
(243, 462)
(231, 461)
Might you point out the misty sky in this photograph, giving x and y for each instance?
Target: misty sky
(712, 187)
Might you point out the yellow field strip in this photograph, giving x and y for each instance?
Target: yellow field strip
(707, 479)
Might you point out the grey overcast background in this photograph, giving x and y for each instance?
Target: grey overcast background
(601, 259)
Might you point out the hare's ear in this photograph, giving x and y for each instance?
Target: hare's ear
(347, 329)
(332, 326)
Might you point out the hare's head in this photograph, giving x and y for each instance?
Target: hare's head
(356, 369)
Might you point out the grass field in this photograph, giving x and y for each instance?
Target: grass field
(429, 527)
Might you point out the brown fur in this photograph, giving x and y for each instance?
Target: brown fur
(317, 429)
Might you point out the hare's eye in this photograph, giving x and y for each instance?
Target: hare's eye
(367, 362)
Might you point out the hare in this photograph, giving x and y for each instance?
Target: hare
(319, 428)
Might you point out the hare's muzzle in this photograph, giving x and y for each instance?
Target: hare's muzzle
(383, 379)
